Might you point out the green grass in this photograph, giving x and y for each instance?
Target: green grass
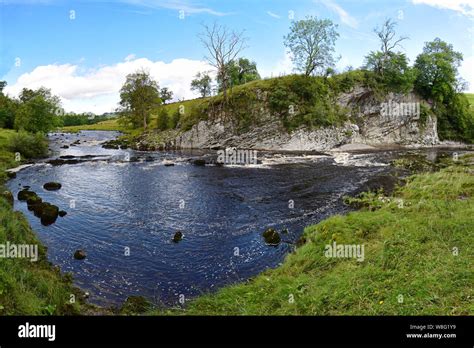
(28, 288)
(408, 255)
(470, 98)
(109, 125)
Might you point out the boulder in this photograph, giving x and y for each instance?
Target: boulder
(52, 186)
(24, 194)
(48, 213)
(178, 236)
(271, 237)
(80, 254)
(62, 213)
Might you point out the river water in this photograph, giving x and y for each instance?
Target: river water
(124, 214)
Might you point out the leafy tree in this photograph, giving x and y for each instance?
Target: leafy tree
(8, 108)
(166, 95)
(437, 70)
(37, 111)
(437, 80)
(241, 71)
(311, 42)
(202, 84)
(138, 96)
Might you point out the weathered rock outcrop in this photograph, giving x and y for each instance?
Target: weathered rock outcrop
(393, 120)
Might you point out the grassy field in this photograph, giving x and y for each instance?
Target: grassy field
(470, 97)
(418, 259)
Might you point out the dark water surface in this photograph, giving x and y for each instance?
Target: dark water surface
(113, 204)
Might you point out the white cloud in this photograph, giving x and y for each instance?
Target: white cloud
(345, 17)
(465, 7)
(274, 15)
(97, 90)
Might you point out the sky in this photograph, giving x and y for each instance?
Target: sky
(83, 49)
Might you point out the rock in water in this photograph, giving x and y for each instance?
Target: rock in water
(62, 213)
(48, 213)
(199, 162)
(271, 237)
(178, 236)
(79, 254)
(52, 186)
(24, 194)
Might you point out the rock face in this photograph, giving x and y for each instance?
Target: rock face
(394, 120)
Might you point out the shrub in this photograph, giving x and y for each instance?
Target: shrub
(29, 145)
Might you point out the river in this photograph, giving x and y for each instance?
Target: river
(123, 208)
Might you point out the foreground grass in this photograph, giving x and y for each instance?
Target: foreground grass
(28, 288)
(418, 259)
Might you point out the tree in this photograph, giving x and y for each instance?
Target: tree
(241, 71)
(388, 43)
(138, 96)
(202, 84)
(37, 110)
(8, 108)
(437, 70)
(437, 80)
(391, 68)
(311, 42)
(166, 94)
(223, 47)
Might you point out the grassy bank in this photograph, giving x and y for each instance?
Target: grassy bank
(418, 259)
(28, 288)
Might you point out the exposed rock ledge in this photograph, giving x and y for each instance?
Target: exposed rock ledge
(370, 126)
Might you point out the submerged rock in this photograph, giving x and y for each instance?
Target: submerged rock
(52, 186)
(271, 237)
(178, 236)
(80, 254)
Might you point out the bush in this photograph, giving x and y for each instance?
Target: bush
(29, 145)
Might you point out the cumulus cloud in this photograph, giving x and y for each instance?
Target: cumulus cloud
(97, 90)
(465, 7)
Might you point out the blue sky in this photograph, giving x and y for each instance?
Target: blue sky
(82, 49)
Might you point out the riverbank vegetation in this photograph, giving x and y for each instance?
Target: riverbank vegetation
(417, 258)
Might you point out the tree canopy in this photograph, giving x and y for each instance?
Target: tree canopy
(311, 42)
